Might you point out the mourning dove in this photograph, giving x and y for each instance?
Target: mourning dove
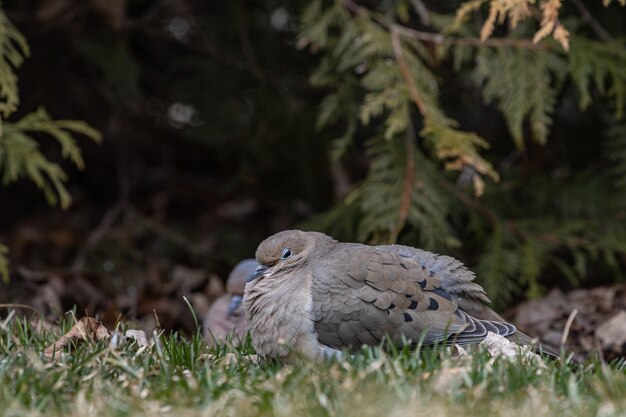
(312, 296)
(226, 315)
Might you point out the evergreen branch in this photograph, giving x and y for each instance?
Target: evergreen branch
(406, 72)
(407, 185)
(437, 38)
(13, 50)
(20, 155)
(600, 63)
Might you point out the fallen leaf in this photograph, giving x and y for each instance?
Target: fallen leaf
(86, 329)
(500, 346)
(138, 336)
(612, 334)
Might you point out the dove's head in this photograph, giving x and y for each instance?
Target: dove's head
(283, 252)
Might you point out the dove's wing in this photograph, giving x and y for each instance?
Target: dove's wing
(363, 293)
(458, 281)
(455, 279)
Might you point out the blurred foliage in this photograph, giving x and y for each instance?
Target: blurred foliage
(544, 210)
(493, 131)
(19, 150)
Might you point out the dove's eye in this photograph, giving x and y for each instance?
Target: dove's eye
(286, 253)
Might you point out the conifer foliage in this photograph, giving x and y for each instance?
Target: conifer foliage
(387, 66)
(20, 155)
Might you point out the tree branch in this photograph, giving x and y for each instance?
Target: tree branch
(589, 19)
(438, 38)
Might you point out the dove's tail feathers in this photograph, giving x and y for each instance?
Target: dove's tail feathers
(504, 329)
(474, 333)
(477, 329)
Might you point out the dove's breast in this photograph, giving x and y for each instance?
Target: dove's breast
(280, 318)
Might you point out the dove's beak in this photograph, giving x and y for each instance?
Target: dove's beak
(260, 270)
(235, 302)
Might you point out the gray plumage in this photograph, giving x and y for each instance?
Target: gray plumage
(314, 296)
(226, 316)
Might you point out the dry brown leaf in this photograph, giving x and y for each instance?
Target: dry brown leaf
(500, 346)
(597, 318)
(86, 329)
(612, 334)
(138, 336)
(536, 314)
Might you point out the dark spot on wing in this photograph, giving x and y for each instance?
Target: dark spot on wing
(442, 293)
(422, 284)
(392, 305)
(407, 317)
(413, 305)
(434, 305)
(431, 274)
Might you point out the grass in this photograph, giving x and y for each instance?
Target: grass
(182, 377)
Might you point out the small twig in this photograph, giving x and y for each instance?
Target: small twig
(27, 307)
(589, 19)
(13, 306)
(568, 324)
